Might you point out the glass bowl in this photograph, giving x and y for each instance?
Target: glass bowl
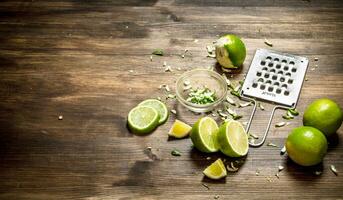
(198, 78)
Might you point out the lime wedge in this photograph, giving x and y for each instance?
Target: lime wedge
(159, 106)
(216, 170)
(143, 119)
(204, 135)
(179, 129)
(232, 139)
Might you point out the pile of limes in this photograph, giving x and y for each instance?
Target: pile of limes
(307, 145)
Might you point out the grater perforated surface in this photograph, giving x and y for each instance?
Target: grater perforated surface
(275, 77)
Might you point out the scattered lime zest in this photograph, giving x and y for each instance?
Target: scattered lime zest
(272, 145)
(294, 112)
(267, 42)
(242, 105)
(334, 170)
(231, 168)
(287, 117)
(280, 124)
(260, 106)
(283, 150)
(175, 152)
(235, 93)
(158, 52)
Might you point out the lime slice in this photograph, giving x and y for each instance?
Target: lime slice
(230, 51)
(216, 170)
(179, 129)
(143, 119)
(204, 135)
(159, 106)
(232, 139)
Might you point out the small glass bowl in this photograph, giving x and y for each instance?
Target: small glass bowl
(199, 78)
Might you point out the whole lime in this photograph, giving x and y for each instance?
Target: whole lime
(325, 115)
(306, 146)
(230, 51)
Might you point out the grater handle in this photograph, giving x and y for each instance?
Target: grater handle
(268, 126)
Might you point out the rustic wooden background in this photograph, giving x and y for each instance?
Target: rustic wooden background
(73, 58)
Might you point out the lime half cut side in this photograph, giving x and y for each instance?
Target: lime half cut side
(216, 170)
(233, 139)
(159, 106)
(204, 135)
(143, 119)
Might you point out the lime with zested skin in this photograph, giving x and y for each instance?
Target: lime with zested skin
(159, 106)
(216, 170)
(204, 135)
(230, 51)
(232, 139)
(143, 119)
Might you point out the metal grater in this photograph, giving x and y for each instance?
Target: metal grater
(275, 78)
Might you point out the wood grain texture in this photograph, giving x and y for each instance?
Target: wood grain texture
(73, 58)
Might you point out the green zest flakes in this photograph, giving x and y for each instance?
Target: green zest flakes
(294, 112)
(201, 96)
(158, 52)
(175, 152)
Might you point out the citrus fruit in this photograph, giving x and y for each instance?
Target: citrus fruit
(204, 135)
(325, 115)
(159, 106)
(143, 119)
(230, 51)
(306, 145)
(216, 170)
(232, 139)
(179, 129)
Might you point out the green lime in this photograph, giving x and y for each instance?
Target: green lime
(306, 145)
(325, 115)
(159, 106)
(143, 119)
(230, 51)
(232, 139)
(204, 135)
(216, 170)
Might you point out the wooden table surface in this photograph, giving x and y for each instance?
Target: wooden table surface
(74, 58)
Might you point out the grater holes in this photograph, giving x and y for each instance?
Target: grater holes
(288, 74)
(286, 93)
(270, 64)
(265, 69)
(276, 59)
(284, 86)
(272, 70)
(263, 62)
(270, 89)
(262, 86)
(260, 80)
(280, 72)
(284, 61)
(286, 68)
(294, 69)
(278, 66)
(291, 63)
(276, 83)
(282, 79)
(266, 75)
(290, 81)
(278, 91)
(268, 82)
(254, 85)
(269, 58)
(258, 73)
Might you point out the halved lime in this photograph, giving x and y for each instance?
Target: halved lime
(179, 129)
(143, 119)
(159, 106)
(216, 170)
(204, 135)
(232, 139)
